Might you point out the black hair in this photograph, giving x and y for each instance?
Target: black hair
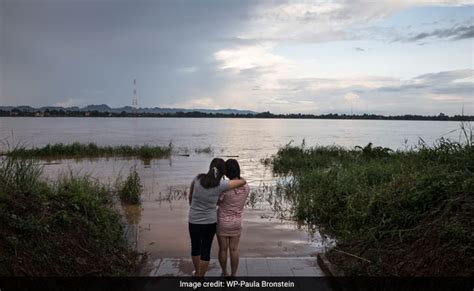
(232, 169)
(214, 175)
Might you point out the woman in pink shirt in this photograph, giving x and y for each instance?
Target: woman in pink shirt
(229, 219)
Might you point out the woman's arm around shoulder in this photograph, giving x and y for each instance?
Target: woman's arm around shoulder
(237, 183)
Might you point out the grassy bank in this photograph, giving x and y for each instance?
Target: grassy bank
(90, 150)
(396, 213)
(63, 228)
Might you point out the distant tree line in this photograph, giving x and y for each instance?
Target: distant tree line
(66, 113)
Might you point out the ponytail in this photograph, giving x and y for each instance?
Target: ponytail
(214, 175)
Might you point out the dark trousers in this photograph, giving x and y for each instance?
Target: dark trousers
(202, 236)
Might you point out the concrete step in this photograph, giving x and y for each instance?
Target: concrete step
(251, 267)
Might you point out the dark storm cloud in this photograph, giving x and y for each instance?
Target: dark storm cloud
(89, 51)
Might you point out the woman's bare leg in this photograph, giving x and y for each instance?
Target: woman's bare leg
(196, 260)
(234, 254)
(223, 245)
(203, 265)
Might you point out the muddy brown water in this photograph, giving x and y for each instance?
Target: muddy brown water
(159, 225)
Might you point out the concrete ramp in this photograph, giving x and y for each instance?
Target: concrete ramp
(251, 267)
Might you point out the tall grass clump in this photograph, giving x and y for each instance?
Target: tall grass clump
(19, 175)
(131, 189)
(90, 150)
(66, 227)
(402, 213)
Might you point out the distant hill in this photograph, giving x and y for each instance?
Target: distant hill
(127, 109)
(103, 110)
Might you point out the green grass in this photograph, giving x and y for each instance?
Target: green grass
(131, 189)
(79, 150)
(66, 227)
(407, 212)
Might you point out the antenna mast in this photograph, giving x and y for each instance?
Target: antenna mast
(135, 96)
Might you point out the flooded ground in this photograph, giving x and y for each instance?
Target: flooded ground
(161, 221)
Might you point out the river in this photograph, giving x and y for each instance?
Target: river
(161, 219)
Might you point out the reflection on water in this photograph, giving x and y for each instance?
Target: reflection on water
(132, 213)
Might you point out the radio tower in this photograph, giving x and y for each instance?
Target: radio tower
(135, 96)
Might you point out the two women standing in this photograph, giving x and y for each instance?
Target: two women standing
(206, 192)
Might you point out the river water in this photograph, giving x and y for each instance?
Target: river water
(245, 137)
(161, 219)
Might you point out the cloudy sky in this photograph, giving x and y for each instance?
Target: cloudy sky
(385, 57)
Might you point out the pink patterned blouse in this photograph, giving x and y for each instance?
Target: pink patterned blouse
(229, 214)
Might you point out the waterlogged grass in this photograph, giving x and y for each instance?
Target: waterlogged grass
(66, 227)
(401, 213)
(92, 150)
(185, 151)
(204, 150)
(131, 189)
(79, 150)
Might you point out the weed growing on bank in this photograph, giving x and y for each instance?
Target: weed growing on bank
(67, 227)
(405, 213)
